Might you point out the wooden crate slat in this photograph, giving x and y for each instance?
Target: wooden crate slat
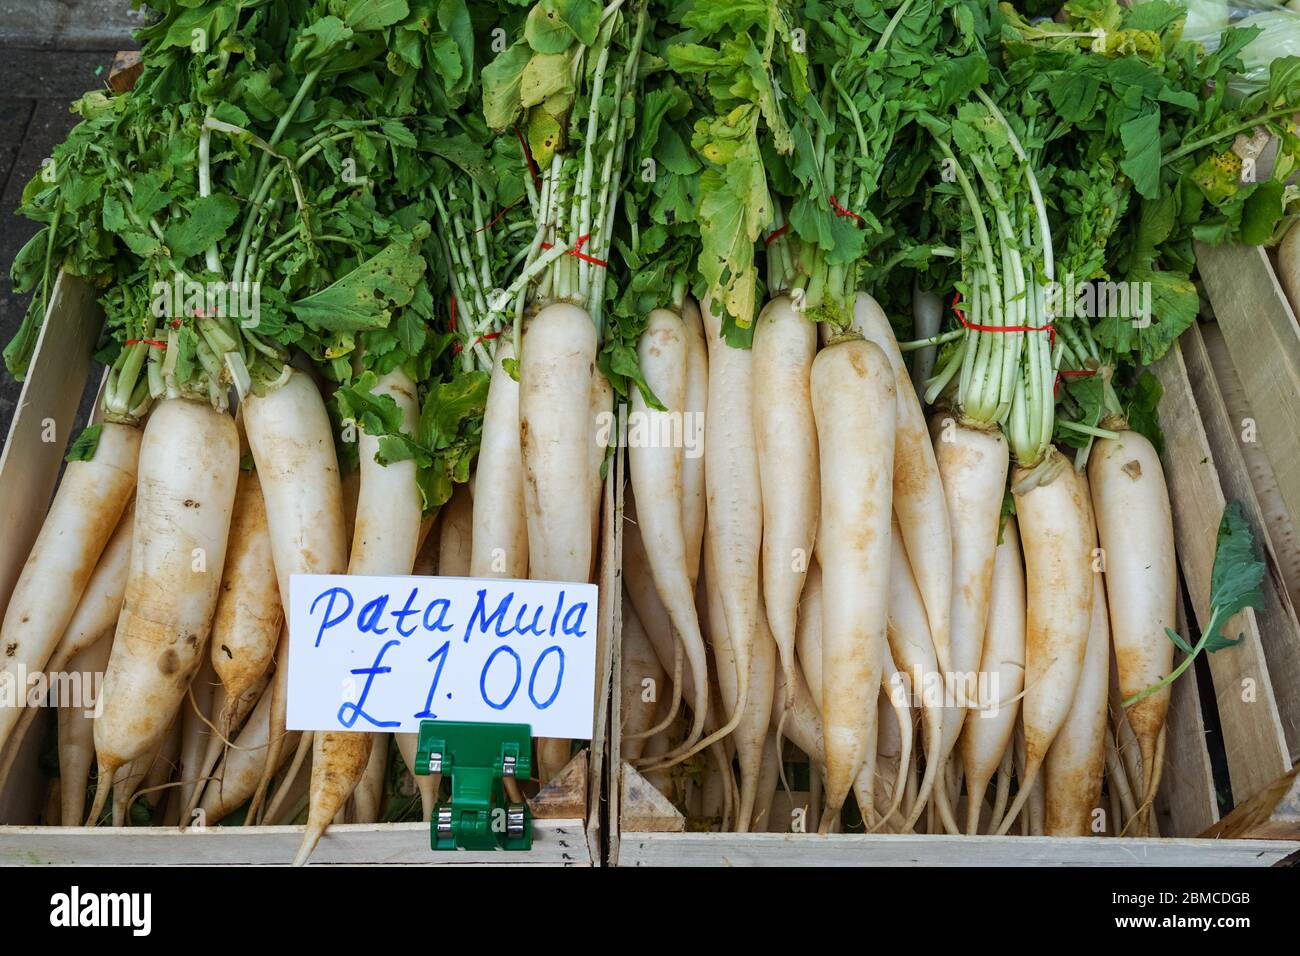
(1186, 802)
(555, 843)
(1252, 732)
(1273, 814)
(1264, 340)
(610, 635)
(29, 464)
(801, 849)
(1281, 529)
(614, 598)
(1278, 630)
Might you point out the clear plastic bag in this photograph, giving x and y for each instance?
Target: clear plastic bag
(1207, 19)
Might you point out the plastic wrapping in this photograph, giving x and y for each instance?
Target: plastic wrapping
(1207, 19)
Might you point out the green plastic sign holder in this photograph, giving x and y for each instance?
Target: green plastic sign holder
(477, 757)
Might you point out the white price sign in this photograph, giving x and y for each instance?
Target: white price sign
(384, 653)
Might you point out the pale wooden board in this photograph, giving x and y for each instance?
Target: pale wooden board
(1264, 340)
(555, 843)
(1186, 803)
(29, 465)
(1252, 731)
(610, 634)
(1281, 528)
(1274, 814)
(29, 469)
(778, 849)
(614, 655)
(1278, 630)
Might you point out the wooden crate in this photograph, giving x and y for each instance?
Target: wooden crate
(1231, 419)
(567, 831)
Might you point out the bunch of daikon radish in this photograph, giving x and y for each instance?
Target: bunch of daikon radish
(838, 573)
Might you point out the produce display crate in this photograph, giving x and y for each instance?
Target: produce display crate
(567, 824)
(1231, 420)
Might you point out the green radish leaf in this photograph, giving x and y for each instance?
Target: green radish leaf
(1140, 411)
(83, 449)
(454, 19)
(204, 221)
(376, 415)
(1262, 209)
(366, 296)
(319, 41)
(1237, 574)
(1141, 139)
(1177, 638)
(501, 86)
(1219, 641)
(546, 31)
(374, 14)
(545, 74)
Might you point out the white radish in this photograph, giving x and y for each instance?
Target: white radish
(95, 618)
(893, 697)
(751, 731)
(77, 731)
(641, 682)
(912, 647)
(767, 781)
(654, 618)
(987, 735)
(243, 765)
(555, 371)
(500, 530)
(734, 505)
(1076, 762)
(697, 399)
(973, 467)
(927, 317)
(1057, 534)
(855, 405)
(227, 717)
(197, 717)
(246, 625)
(785, 435)
(1135, 526)
(456, 535)
(368, 798)
(919, 502)
(188, 470)
(656, 472)
(292, 442)
(384, 542)
(146, 777)
(85, 511)
(803, 722)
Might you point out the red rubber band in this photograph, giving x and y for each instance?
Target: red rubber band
(577, 251)
(1049, 329)
(841, 212)
(773, 237)
(152, 343)
(456, 347)
(1070, 373)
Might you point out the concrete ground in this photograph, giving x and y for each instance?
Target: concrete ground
(51, 51)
